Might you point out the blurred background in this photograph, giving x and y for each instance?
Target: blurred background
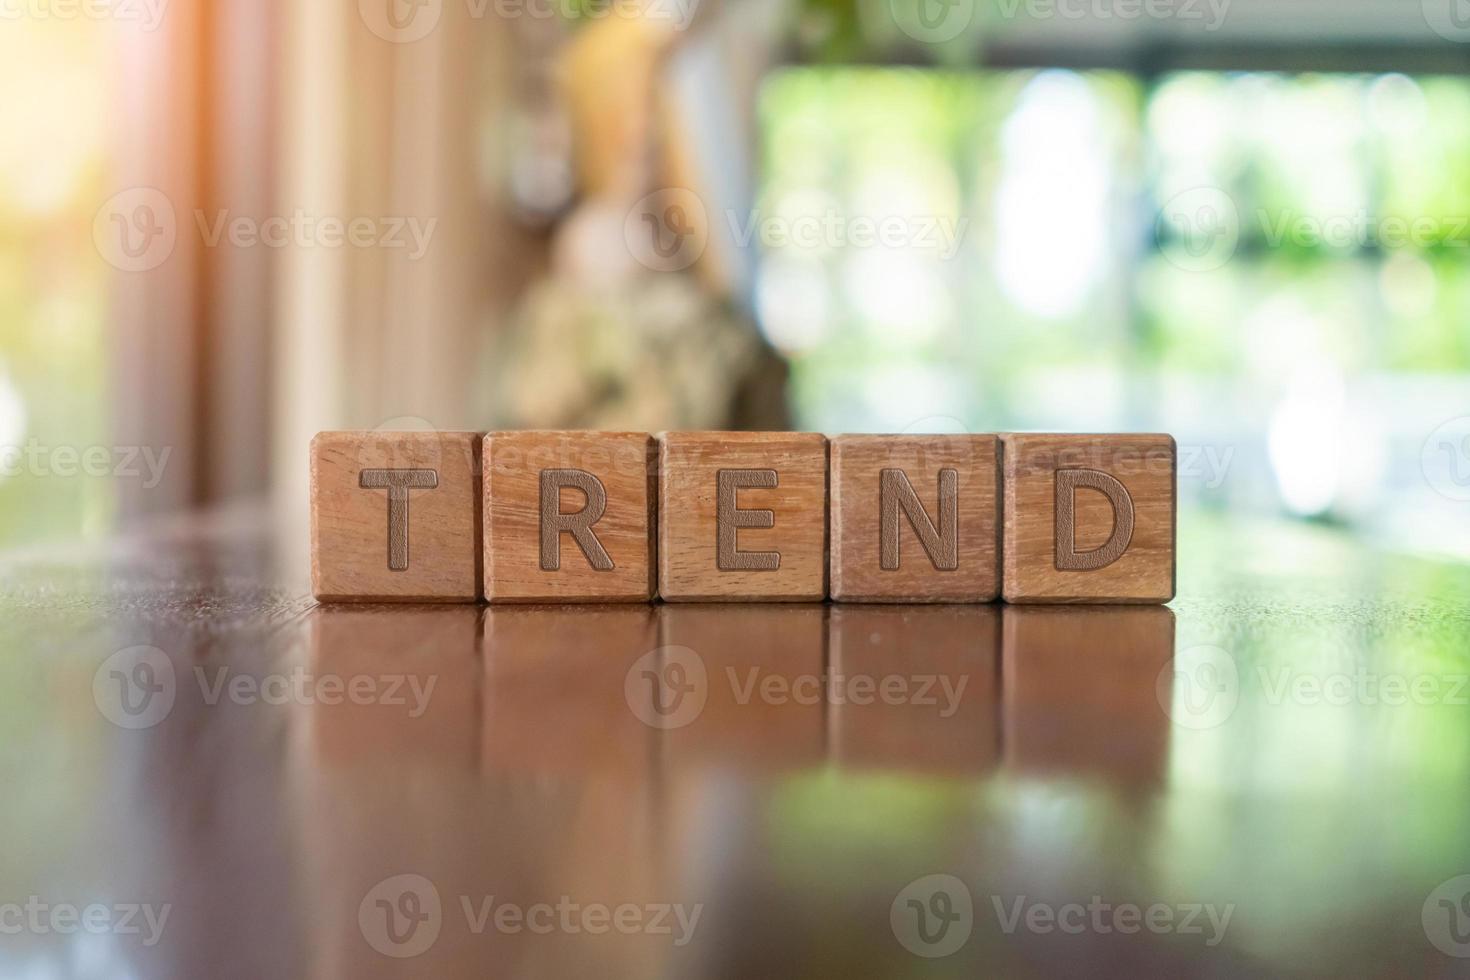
(227, 224)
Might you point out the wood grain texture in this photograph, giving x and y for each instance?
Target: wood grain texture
(624, 466)
(688, 546)
(1145, 467)
(914, 688)
(350, 532)
(857, 570)
(1082, 691)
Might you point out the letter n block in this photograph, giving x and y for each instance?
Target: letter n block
(742, 516)
(395, 516)
(915, 518)
(569, 516)
(1088, 518)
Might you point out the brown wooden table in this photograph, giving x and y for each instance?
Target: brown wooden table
(1270, 778)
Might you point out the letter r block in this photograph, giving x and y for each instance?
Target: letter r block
(742, 516)
(1088, 518)
(569, 516)
(915, 518)
(395, 516)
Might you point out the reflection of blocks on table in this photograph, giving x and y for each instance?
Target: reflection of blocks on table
(1080, 689)
(915, 688)
(388, 684)
(554, 679)
(395, 516)
(568, 516)
(1088, 518)
(742, 516)
(915, 518)
(758, 670)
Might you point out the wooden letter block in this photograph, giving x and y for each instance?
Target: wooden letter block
(395, 516)
(915, 518)
(569, 516)
(742, 516)
(1089, 518)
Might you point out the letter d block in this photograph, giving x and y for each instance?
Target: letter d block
(742, 516)
(395, 516)
(1088, 518)
(915, 518)
(569, 516)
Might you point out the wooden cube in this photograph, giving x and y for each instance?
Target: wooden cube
(395, 516)
(742, 516)
(1088, 518)
(569, 516)
(915, 518)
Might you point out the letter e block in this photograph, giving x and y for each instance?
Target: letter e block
(915, 518)
(395, 516)
(742, 516)
(1088, 518)
(569, 516)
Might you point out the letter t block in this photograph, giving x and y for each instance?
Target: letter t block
(569, 516)
(742, 516)
(1088, 518)
(395, 516)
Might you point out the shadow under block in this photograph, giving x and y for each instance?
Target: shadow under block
(915, 518)
(568, 516)
(1088, 518)
(742, 516)
(395, 516)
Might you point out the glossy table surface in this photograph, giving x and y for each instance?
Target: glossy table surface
(207, 774)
